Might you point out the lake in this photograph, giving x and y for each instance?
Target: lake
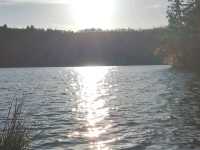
(104, 108)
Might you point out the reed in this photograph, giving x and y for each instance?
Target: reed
(15, 134)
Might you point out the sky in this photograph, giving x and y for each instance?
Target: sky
(81, 14)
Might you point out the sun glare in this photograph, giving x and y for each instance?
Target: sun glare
(92, 13)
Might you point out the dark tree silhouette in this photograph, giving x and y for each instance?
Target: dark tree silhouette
(39, 47)
(181, 41)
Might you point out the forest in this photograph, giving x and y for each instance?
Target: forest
(180, 41)
(32, 47)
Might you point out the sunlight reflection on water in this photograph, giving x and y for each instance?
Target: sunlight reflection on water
(91, 109)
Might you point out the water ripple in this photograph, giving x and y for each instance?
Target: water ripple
(105, 108)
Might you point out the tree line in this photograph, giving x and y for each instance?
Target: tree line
(180, 41)
(31, 47)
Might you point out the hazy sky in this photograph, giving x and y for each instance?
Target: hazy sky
(79, 14)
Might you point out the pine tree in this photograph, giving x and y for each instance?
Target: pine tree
(173, 37)
(175, 14)
(183, 33)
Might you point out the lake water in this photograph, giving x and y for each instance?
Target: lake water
(104, 108)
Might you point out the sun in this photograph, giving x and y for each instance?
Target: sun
(92, 13)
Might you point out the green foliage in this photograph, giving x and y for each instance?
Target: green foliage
(15, 135)
(181, 41)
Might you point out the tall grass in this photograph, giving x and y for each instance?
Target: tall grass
(15, 134)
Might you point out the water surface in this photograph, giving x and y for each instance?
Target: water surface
(104, 108)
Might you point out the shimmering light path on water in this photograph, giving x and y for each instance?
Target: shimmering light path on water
(91, 109)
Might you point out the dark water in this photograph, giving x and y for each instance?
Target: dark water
(103, 108)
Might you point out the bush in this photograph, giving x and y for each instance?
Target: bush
(15, 135)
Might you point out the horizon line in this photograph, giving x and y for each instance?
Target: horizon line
(84, 29)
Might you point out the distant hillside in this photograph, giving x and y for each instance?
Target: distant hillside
(37, 47)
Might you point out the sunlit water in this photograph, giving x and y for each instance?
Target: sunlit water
(105, 108)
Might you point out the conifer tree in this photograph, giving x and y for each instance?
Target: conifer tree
(183, 33)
